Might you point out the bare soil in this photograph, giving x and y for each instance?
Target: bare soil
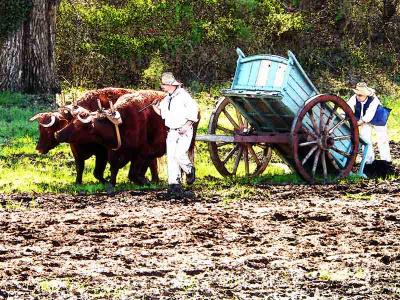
(279, 242)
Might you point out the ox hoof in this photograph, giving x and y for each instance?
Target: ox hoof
(110, 189)
(140, 181)
(155, 180)
(102, 180)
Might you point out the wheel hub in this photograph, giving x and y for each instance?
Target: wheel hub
(325, 142)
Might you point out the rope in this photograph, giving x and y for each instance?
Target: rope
(118, 138)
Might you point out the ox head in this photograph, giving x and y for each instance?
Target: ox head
(90, 127)
(70, 111)
(49, 123)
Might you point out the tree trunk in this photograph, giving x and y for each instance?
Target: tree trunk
(389, 9)
(27, 60)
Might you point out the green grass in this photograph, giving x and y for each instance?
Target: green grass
(394, 118)
(57, 286)
(359, 196)
(339, 275)
(23, 169)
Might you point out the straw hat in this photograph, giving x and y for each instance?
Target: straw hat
(363, 89)
(168, 78)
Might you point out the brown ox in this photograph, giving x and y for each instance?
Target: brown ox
(51, 122)
(142, 132)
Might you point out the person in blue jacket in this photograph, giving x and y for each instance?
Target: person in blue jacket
(364, 104)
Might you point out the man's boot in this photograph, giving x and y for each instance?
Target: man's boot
(191, 177)
(175, 190)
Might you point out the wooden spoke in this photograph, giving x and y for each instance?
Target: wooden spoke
(245, 123)
(226, 130)
(345, 154)
(239, 117)
(342, 137)
(239, 155)
(226, 119)
(230, 153)
(323, 161)
(337, 125)
(310, 132)
(331, 117)
(246, 160)
(307, 143)
(235, 125)
(309, 154)
(315, 126)
(316, 159)
(333, 161)
(254, 155)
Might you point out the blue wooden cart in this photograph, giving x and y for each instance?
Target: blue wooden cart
(272, 104)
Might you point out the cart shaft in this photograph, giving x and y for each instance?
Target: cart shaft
(273, 138)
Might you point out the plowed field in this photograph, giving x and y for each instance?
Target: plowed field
(281, 242)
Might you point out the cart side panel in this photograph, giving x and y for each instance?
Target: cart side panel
(298, 88)
(260, 72)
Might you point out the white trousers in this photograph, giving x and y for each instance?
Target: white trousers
(382, 141)
(177, 155)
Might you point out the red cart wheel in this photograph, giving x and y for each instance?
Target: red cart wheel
(324, 139)
(248, 159)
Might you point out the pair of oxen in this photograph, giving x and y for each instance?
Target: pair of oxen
(114, 125)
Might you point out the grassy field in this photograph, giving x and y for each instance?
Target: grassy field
(23, 169)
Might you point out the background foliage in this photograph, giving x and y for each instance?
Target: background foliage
(114, 42)
(12, 14)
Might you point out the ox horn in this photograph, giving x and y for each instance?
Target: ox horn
(35, 117)
(86, 120)
(112, 107)
(74, 99)
(67, 109)
(62, 99)
(51, 123)
(99, 104)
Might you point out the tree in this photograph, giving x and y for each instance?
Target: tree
(389, 9)
(27, 60)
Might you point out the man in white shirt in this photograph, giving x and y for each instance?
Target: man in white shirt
(179, 111)
(364, 104)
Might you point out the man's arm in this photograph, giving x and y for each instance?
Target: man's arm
(156, 107)
(352, 102)
(192, 109)
(186, 127)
